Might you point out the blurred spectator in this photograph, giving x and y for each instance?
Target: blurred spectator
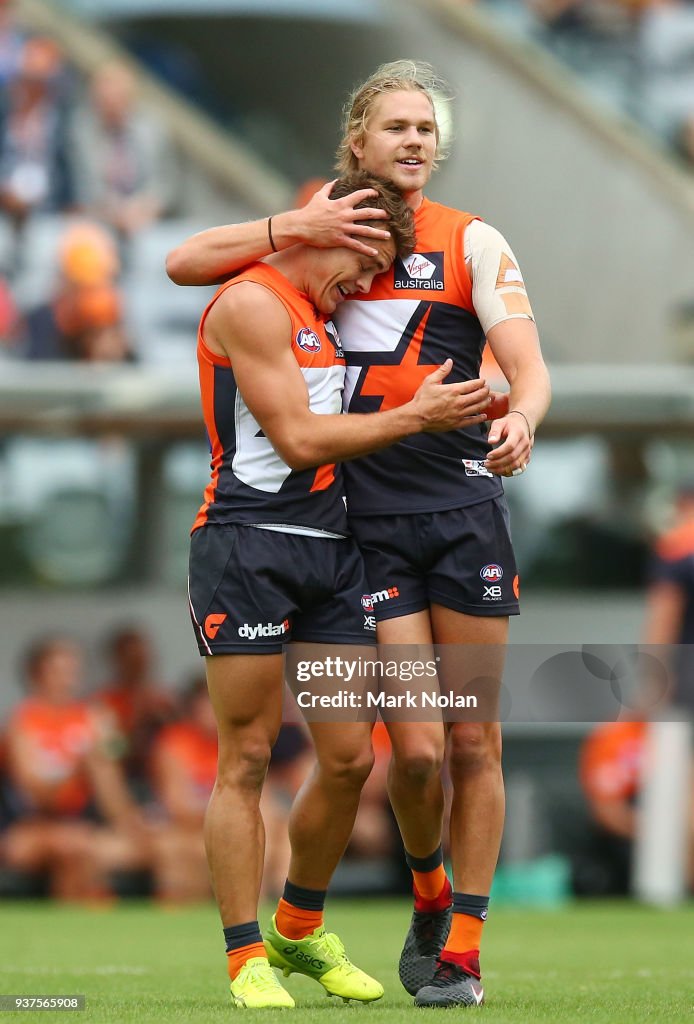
(373, 834)
(137, 701)
(83, 319)
(11, 43)
(34, 173)
(610, 771)
(666, 95)
(63, 779)
(183, 769)
(9, 318)
(684, 139)
(291, 761)
(670, 599)
(123, 162)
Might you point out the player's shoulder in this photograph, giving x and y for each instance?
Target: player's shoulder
(438, 212)
(245, 303)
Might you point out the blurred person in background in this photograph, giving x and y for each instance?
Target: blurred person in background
(684, 140)
(428, 514)
(34, 170)
(670, 597)
(611, 766)
(10, 320)
(71, 814)
(291, 761)
(139, 703)
(183, 769)
(373, 835)
(11, 43)
(83, 318)
(122, 160)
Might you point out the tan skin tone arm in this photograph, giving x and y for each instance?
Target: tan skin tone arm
(616, 816)
(23, 755)
(212, 256)
(516, 348)
(274, 390)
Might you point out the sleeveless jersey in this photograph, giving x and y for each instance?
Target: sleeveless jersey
(250, 483)
(62, 735)
(416, 315)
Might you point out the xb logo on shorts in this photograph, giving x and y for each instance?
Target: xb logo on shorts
(491, 574)
(367, 603)
(308, 340)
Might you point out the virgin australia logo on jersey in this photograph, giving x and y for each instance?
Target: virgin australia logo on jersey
(422, 271)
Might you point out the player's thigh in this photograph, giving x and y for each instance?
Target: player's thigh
(246, 695)
(472, 651)
(418, 746)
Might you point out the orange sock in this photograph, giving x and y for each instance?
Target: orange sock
(465, 934)
(295, 923)
(236, 958)
(430, 884)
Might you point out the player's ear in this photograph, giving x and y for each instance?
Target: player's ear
(356, 145)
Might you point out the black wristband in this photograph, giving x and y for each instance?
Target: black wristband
(519, 413)
(269, 234)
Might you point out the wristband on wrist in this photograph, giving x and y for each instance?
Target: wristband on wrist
(269, 234)
(519, 413)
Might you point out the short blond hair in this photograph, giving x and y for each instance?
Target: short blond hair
(397, 76)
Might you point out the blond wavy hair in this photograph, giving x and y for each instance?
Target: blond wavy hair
(397, 76)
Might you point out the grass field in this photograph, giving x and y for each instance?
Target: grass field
(609, 962)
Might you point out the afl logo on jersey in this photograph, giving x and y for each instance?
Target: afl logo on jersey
(491, 573)
(308, 340)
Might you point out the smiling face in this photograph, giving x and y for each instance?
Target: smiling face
(400, 141)
(341, 272)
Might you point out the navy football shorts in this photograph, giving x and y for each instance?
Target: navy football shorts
(251, 591)
(462, 559)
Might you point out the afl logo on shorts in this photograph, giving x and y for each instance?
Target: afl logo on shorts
(308, 340)
(367, 602)
(491, 573)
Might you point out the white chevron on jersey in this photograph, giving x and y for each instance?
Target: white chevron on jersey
(374, 326)
(255, 462)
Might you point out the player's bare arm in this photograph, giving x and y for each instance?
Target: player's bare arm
(212, 256)
(516, 348)
(23, 756)
(273, 388)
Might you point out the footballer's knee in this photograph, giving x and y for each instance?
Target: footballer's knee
(347, 768)
(474, 747)
(416, 766)
(245, 766)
